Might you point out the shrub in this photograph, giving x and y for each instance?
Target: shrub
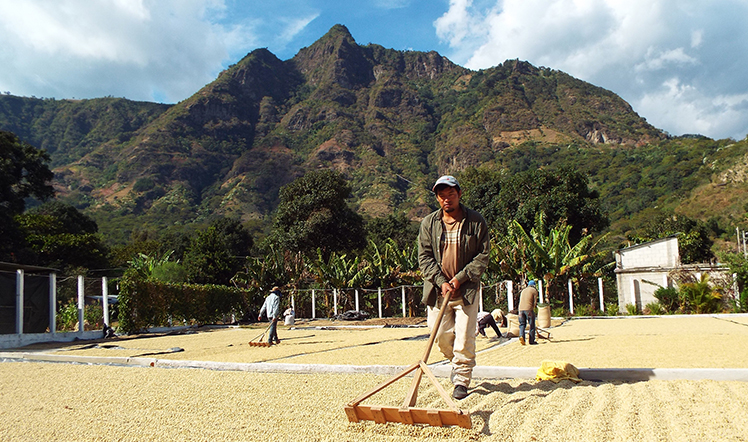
(146, 302)
(700, 296)
(631, 309)
(559, 312)
(654, 308)
(611, 309)
(582, 310)
(67, 317)
(668, 298)
(94, 316)
(169, 271)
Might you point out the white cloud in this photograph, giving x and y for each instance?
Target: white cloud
(656, 60)
(686, 109)
(154, 50)
(294, 26)
(636, 48)
(697, 37)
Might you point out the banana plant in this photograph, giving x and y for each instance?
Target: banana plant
(391, 266)
(338, 270)
(547, 254)
(277, 267)
(145, 264)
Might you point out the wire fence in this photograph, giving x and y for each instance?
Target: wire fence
(405, 300)
(81, 300)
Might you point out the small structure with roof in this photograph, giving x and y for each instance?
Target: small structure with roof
(643, 268)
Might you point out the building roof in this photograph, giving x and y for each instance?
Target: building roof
(645, 244)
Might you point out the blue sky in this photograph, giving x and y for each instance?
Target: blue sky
(679, 63)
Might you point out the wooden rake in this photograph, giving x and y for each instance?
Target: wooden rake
(259, 342)
(407, 413)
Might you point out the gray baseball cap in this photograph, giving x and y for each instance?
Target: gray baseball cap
(449, 180)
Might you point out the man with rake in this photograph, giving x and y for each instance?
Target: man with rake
(271, 307)
(453, 249)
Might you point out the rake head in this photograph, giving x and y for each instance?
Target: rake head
(260, 344)
(407, 413)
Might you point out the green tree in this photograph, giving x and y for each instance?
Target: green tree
(561, 194)
(549, 254)
(389, 265)
(23, 174)
(313, 214)
(396, 227)
(338, 271)
(738, 265)
(694, 244)
(158, 267)
(216, 254)
(62, 237)
(700, 296)
(276, 268)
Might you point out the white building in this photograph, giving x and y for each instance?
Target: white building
(643, 268)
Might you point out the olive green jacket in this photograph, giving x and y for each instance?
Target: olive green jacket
(472, 257)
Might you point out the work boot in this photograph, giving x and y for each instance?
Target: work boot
(460, 392)
(522, 340)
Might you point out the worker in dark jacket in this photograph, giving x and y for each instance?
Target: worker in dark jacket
(452, 255)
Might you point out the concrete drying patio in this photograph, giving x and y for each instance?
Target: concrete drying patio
(605, 348)
(126, 388)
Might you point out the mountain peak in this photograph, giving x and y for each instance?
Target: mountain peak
(338, 31)
(334, 58)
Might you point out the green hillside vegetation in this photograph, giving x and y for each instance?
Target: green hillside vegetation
(71, 129)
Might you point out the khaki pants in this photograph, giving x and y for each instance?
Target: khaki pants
(456, 338)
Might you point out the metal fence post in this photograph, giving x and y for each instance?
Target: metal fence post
(379, 296)
(403, 292)
(510, 294)
(53, 303)
(105, 299)
(480, 297)
(81, 304)
(19, 301)
(540, 290)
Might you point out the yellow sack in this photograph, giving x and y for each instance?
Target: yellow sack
(557, 371)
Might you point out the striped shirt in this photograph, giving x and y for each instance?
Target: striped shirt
(451, 248)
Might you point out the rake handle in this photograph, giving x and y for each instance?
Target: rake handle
(412, 396)
(435, 329)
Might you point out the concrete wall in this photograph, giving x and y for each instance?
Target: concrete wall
(659, 253)
(636, 286)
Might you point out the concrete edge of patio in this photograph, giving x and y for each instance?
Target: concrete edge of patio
(440, 370)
